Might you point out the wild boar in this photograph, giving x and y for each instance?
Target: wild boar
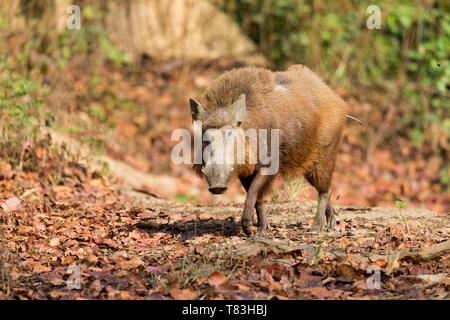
(310, 119)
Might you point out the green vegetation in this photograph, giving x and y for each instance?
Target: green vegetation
(18, 101)
(401, 204)
(185, 198)
(21, 112)
(24, 143)
(31, 63)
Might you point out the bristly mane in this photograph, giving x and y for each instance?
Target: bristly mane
(226, 89)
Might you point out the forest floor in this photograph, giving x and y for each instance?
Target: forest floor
(95, 238)
(141, 227)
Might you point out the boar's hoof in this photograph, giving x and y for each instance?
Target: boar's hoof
(261, 234)
(331, 222)
(247, 227)
(316, 227)
(319, 227)
(261, 231)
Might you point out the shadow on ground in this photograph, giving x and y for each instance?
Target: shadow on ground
(191, 229)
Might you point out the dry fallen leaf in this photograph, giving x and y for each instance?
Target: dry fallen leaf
(199, 250)
(57, 281)
(56, 294)
(321, 292)
(183, 294)
(147, 214)
(130, 264)
(179, 251)
(204, 216)
(216, 278)
(54, 242)
(397, 230)
(305, 280)
(347, 271)
(381, 263)
(40, 268)
(6, 171)
(11, 205)
(62, 192)
(38, 225)
(135, 234)
(125, 295)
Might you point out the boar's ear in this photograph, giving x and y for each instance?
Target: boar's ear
(195, 109)
(240, 109)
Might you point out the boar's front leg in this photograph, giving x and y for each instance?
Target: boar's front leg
(247, 182)
(255, 185)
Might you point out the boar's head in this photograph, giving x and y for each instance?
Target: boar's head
(221, 127)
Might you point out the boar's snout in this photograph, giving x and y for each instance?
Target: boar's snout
(217, 177)
(217, 190)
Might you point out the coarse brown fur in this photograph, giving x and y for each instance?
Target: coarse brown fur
(308, 113)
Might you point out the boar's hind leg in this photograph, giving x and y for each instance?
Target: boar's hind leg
(325, 214)
(320, 179)
(255, 185)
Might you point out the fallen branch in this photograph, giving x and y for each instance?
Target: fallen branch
(429, 279)
(418, 254)
(428, 253)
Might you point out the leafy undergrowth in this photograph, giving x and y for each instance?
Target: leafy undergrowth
(156, 249)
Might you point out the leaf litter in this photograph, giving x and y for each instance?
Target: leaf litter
(119, 248)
